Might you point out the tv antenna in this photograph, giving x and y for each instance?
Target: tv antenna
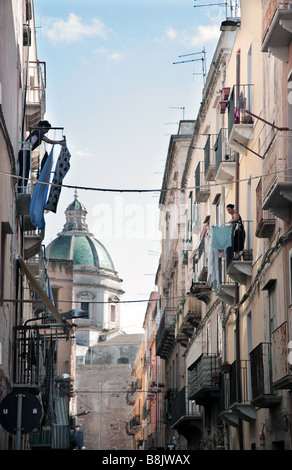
(234, 6)
(179, 107)
(202, 59)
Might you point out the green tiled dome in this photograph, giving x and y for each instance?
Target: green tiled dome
(82, 249)
(76, 243)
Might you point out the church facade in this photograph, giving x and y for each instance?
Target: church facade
(81, 270)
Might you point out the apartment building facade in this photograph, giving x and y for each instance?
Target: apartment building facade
(227, 341)
(33, 368)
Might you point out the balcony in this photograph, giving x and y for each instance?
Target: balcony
(282, 369)
(165, 333)
(277, 28)
(239, 398)
(224, 158)
(202, 387)
(226, 290)
(186, 416)
(27, 365)
(263, 395)
(192, 311)
(32, 242)
(131, 395)
(202, 191)
(277, 182)
(202, 266)
(133, 425)
(240, 124)
(265, 220)
(183, 329)
(36, 95)
(227, 415)
(239, 270)
(209, 158)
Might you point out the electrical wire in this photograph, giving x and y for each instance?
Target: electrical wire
(119, 190)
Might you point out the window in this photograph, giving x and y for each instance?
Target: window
(217, 203)
(290, 274)
(85, 307)
(2, 253)
(272, 306)
(55, 293)
(196, 215)
(113, 313)
(5, 230)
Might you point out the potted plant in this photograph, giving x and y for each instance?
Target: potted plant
(225, 93)
(225, 367)
(215, 379)
(247, 255)
(222, 107)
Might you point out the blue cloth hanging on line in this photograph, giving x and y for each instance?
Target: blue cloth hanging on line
(222, 237)
(39, 195)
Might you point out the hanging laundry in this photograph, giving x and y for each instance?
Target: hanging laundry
(222, 237)
(213, 277)
(62, 167)
(39, 195)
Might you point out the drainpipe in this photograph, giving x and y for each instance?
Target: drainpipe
(238, 363)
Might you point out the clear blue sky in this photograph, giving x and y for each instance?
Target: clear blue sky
(112, 85)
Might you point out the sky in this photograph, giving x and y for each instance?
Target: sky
(112, 84)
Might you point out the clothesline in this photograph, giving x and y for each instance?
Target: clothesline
(117, 190)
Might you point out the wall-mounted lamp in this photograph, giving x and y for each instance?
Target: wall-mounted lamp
(229, 25)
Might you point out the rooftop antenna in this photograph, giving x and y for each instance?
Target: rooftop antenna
(202, 59)
(234, 6)
(181, 107)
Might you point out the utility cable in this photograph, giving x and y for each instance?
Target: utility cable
(119, 190)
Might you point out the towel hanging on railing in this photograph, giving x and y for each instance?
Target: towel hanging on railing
(222, 237)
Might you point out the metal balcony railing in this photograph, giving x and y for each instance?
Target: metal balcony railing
(165, 332)
(240, 101)
(261, 370)
(202, 190)
(241, 395)
(31, 356)
(209, 157)
(182, 407)
(36, 88)
(223, 152)
(200, 376)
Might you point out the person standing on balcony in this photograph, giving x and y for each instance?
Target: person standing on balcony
(238, 232)
(34, 140)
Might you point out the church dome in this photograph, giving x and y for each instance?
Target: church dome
(76, 243)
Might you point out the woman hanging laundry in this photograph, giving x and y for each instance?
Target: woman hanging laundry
(238, 232)
(35, 138)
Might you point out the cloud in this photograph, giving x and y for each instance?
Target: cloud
(84, 154)
(111, 56)
(189, 38)
(73, 29)
(171, 33)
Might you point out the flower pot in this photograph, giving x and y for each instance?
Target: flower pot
(225, 368)
(216, 379)
(222, 107)
(225, 93)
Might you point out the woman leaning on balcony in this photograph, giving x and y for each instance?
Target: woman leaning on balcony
(238, 232)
